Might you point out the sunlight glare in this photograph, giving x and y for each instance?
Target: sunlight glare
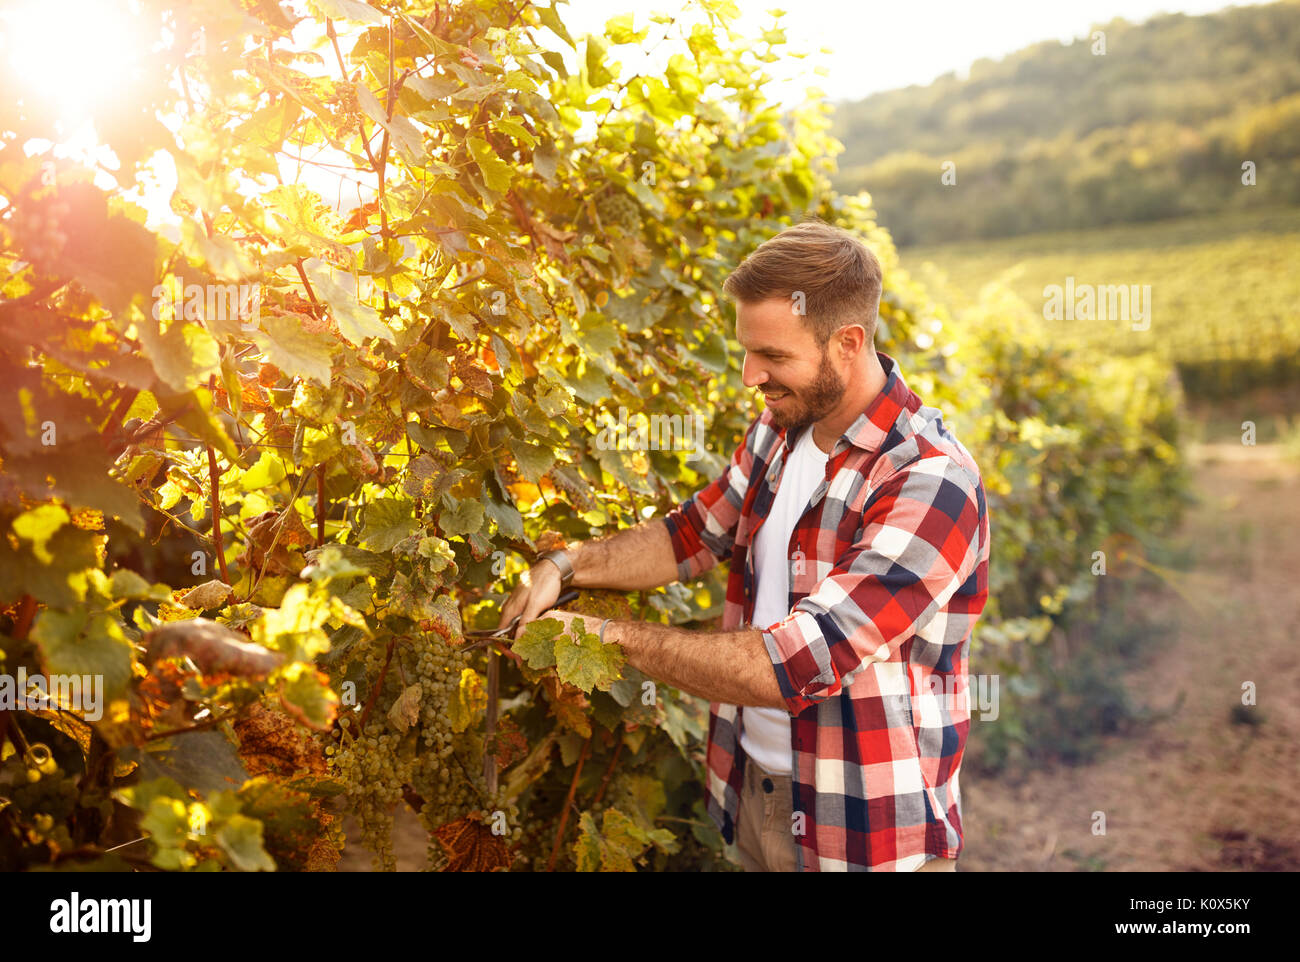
(73, 56)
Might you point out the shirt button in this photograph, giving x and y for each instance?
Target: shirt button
(768, 786)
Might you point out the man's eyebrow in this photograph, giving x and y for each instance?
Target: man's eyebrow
(771, 350)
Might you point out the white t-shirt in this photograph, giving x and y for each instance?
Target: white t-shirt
(766, 731)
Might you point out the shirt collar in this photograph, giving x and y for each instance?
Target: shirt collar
(874, 424)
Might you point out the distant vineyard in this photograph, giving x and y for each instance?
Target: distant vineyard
(1225, 293)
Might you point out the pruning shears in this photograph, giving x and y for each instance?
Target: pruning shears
(487, 636)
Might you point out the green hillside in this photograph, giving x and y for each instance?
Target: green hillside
(1064, 136)
(1224, 290)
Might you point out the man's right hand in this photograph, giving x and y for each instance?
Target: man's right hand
(538, 589)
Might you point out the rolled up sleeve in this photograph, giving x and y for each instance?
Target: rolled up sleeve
(918, 544)
(703, 527)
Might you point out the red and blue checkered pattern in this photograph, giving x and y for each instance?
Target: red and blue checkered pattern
(888, 575)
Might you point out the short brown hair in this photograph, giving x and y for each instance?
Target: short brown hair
(839, 277)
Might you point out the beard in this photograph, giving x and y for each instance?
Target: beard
(811, 403)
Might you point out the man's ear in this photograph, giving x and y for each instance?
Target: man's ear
(850, 340)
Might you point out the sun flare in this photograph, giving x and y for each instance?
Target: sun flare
(71, 57)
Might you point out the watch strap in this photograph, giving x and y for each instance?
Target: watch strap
(561, 561)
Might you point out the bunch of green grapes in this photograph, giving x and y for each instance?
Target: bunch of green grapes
(443, 767)
(373, 766)
(620, 209)
(372, 770)
(449, 774)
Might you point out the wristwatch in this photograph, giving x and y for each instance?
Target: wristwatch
(561, 561)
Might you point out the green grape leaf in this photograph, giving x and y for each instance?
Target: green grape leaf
(206, 760)
(309, 699)
(506, 517)
(537, 644)
(183, 356)
(613, 848)
(598, 74)
(129, 585)
(534, 460)
(466, 518)
(550, 18)
(388, 521)
(107, 252)
(62, 582)
(240, 838)
(84, 642)
(267, 472)
(407, 598)
(79, 478)
(587, 663)
(437, 554)
(348, 10)
(405, 135)
(444, 619)
(621, 29)
(357, 322)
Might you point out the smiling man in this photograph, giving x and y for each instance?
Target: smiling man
(858, 537)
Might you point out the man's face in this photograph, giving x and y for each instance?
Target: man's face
(783, 360)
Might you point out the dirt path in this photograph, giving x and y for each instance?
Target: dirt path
(1194, 791)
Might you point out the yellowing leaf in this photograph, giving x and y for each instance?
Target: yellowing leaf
(38, 526)
(209, 595)
(470, 701)
(406, 709)
(357, 321)
(293, 349)
(497, 174)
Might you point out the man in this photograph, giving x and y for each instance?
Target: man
(856, 528)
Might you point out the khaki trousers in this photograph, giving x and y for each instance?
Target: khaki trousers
(765, 839)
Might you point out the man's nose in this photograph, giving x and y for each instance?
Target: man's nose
(752, 373)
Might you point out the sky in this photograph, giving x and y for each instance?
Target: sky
(885, 45)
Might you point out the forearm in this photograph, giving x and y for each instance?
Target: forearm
(635, 559)
(726, 666)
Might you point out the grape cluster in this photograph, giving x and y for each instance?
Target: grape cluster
(620, 209)
(443, 767)
(370, 772)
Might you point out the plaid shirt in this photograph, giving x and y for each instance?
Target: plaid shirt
(888, 574)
